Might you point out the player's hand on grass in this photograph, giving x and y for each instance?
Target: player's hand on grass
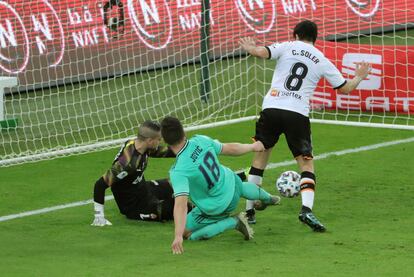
(177, 245)
(101, 221)
(258, 146)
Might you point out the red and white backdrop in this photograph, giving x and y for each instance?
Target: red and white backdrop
(49, 42)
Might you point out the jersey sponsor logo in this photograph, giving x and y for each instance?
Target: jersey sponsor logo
(373, 80)
(275, 93)
(363, 8)
(121, 175)
(258, 15)
(152, 22)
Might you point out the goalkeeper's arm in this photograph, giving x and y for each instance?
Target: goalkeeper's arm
(98, 203)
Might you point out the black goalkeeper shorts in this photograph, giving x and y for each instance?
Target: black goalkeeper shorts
(296, 127)
(158, 199)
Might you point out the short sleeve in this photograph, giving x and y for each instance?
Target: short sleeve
(333, 76)
(275, 50)
(218, 146)
(180, 184)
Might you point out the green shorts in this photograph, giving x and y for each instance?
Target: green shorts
(196, 219)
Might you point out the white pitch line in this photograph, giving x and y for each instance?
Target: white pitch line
(51, 209)
(344, 152)
(270, 166)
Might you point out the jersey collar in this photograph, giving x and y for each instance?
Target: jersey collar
(182, 149)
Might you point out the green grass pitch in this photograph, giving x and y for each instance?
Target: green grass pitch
(364, 198)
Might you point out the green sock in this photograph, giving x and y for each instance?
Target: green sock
(254, 192)
(214, 229)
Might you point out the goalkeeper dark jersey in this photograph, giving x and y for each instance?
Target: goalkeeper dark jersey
(126, 177)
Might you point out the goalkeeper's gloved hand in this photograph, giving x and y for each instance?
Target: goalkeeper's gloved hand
(100, 219)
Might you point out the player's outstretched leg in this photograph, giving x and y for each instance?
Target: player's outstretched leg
(243, 226)
(261, 198)
(261, 205)
(307, 217)
(214, 229)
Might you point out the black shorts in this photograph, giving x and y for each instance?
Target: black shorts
(163, 191)
(296, 127)
(148, 197)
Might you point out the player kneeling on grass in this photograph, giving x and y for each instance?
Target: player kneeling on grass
(214, 189)
(136, 198)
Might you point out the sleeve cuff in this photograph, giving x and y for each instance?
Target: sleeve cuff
(268, 51)
(343, 84)
(181, 194)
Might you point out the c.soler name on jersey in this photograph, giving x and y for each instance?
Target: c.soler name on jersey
(306, 54)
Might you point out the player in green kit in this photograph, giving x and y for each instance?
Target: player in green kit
(214, 189)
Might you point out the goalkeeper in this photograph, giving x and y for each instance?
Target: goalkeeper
(136, 198)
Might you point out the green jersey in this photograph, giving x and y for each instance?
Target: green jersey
(198, 173)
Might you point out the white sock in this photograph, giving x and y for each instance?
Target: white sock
(308, 192)
(255, 180)
(307, 198)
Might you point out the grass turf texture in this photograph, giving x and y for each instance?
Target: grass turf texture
(363, 198)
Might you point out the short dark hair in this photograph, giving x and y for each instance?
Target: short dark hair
(172, 130)
(148, 129)
(306, 30)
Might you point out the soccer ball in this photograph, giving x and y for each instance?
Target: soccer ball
(288, 184)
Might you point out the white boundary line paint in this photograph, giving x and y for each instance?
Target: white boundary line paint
(51, 209)
(270, 166)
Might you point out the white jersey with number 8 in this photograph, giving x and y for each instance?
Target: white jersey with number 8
(299, 68)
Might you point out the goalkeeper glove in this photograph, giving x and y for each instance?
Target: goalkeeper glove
(100, 219)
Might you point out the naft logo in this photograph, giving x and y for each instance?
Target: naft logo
(48, 32)
(259, 15)
(373, 80)
(14, 42)
(152, 22)
(364, 8)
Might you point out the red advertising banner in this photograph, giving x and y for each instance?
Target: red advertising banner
(51, 42)
(388, 88)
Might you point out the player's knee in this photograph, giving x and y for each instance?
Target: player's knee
(305, 162)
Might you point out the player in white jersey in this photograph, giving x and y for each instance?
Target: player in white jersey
(285, 108)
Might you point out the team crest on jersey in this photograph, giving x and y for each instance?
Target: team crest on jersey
(274, 92)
